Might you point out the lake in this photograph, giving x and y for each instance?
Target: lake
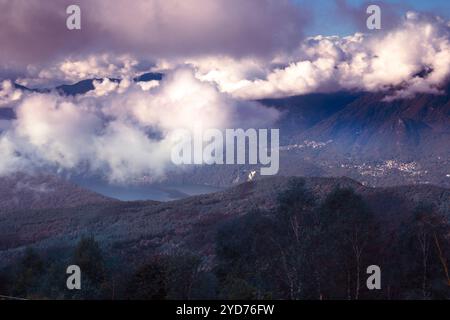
(144, 191)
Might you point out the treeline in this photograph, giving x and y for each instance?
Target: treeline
(303, 249)
(37, 276)
(310, 250)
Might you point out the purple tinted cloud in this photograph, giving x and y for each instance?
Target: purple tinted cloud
(34, 31)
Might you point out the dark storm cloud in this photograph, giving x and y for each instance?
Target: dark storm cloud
(34, 32)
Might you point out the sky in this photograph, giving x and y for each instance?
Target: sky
(218, 57)
(329, 20)
(32, 32)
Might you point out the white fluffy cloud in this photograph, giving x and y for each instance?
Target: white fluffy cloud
(8, 93)
(123, 129)
(120, 130)
(74, 69)
(414, 57)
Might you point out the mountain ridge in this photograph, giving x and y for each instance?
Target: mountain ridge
(38, 191)
(142, 228)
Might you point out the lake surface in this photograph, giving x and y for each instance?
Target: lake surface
(144, 192)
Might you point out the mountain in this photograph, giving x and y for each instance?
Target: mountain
(383, 143)
(6, 114)
(299, 113)
(149, 76)
(356, 134)
(134, 230)
(370, 127)
(86, 85)
(29, 192)
(80, 87)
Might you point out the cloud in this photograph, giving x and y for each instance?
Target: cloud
(119, 130)
(106, 86)
(249, 49)
(215, 65)
(413, 57)
(8, 93)
(33, 32)
(73, 69)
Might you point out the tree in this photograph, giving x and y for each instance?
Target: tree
(246, 251)
(346, 227)
(4, 283)
(267, 254)
(296, 225)
(238, 289)
(88, 256)
(183, 272)
(150, 282)
(426, 243)
(29, 271)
